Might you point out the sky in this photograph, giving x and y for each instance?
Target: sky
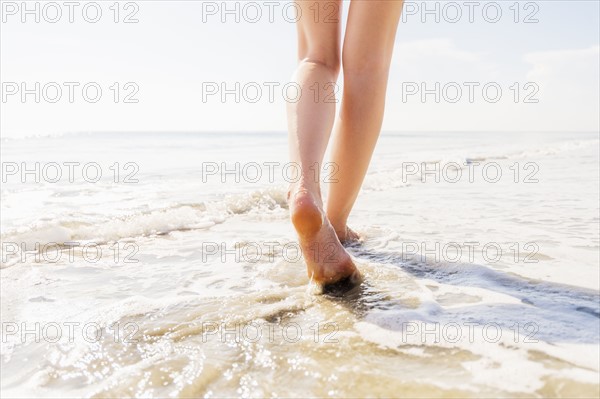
(163, 66)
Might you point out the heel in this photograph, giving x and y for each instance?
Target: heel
(307, 218)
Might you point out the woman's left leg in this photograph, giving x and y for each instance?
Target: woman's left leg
(366, 58)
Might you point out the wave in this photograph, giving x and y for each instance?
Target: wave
(177, 217)
(408, 172)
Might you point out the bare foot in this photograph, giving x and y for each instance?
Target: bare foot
(326, 259)
(347, 236)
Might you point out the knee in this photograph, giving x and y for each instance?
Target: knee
(331, 63)
(367, 65)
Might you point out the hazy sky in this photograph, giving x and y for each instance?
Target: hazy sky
(546, 68)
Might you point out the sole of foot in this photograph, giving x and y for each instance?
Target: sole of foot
(327, 261)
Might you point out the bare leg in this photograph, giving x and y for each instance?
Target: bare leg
(367, 53)
(310, 121)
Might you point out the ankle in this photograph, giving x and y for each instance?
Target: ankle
(298, 188)
(339, 225)
(341, 230)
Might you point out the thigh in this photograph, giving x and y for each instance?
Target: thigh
(370, 33)
(319, 31)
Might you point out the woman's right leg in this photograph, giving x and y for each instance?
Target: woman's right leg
(310, 121)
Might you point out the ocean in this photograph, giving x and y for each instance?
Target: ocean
(165, 265)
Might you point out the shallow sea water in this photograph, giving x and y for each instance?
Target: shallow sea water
(472, 288)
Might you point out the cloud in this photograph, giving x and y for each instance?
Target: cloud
(443, 47)
(440, 59)
(575, 69)
(557, 90)
(569, 86)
